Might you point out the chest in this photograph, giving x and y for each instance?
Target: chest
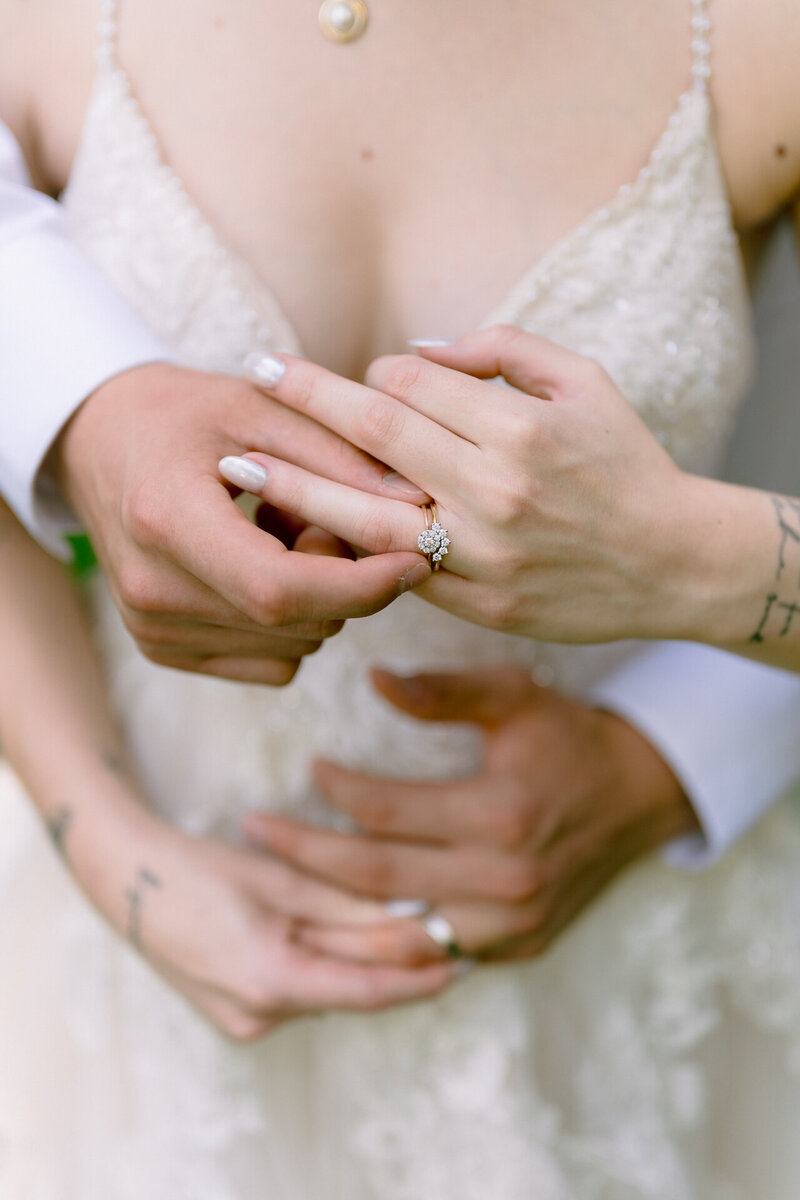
(398, 186)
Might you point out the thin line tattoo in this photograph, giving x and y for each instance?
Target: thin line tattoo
(145, 881)
(58, 826)
(788, 531)
(777, 604)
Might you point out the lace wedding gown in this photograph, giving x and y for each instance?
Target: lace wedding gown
(671, 1076)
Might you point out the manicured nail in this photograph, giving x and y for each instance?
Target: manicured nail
(413, 577)
(394, 479)
(430, 343)
(264, 368)
(243, 473)
(406, 908)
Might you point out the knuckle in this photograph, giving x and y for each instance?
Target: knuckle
(501, 610)
(593, 376)
(137, 589)
(240, 1027)
(515, 880)
(374, 874)
(509, 825)
(142, 516)
(398, 374)
(382, 422)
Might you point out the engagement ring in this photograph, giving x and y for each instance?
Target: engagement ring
(433, 541)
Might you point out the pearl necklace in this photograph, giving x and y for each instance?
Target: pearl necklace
(343, 20)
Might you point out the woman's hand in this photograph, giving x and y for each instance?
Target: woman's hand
(561, 507)
(222, 924)
(566, 798)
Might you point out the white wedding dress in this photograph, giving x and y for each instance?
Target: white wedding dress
(653, 1054)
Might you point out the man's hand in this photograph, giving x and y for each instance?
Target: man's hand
(199, 586)
(566, 798)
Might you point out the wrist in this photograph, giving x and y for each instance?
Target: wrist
(713, 558)
(658, 808)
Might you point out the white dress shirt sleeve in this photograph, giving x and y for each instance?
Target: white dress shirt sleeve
(728, 727)
(63, 332)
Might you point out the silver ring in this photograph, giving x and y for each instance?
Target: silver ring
(439, 930)
(434, 539)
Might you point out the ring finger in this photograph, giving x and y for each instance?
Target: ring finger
(369, 522)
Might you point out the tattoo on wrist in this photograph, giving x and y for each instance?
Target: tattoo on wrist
(782, 604)
(146, 881)
(58, 825)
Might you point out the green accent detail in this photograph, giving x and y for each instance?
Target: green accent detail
(84, 559)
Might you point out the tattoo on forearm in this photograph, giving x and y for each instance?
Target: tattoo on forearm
(146, 881)
(58, 825)
(782, 604)
(112, 762)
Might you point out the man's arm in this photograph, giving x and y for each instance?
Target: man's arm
(728, 728)
(63, 332)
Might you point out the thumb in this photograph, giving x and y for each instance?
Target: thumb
(486, 697)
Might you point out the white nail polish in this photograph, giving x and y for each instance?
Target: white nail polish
(243, 473)
(430, 343)
(406, 908)
(264, 368)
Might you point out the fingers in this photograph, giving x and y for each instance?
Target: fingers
(279, 886)
(431, 812)
(486, 696)
(274, 586)
(484, 929)
(383, 869)
(530, 363)
(286, 432)
(369, 522)
(313, 982)
(390, 430)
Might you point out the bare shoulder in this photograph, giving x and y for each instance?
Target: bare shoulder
(756, 89)
(46, 56)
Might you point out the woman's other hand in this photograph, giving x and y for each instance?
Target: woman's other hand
(222, 924)
(566, 798)
(563, 510)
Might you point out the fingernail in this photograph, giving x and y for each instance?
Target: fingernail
(243, 473)
(406, 908)
(413, 577)
(394, 479)
(430, 343)
(264, 368)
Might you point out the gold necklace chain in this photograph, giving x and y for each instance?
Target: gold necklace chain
(343, 20)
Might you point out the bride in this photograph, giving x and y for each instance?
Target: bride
(252, 187)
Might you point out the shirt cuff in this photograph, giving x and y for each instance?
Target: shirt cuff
(63, 332)
(729, 728)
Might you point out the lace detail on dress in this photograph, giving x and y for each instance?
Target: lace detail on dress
(560, 1079)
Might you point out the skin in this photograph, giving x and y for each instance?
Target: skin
(570, 95)
(243, 966)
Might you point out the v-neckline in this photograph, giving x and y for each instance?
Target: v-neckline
(535, 281)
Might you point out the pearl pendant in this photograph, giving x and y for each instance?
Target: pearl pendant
(343, 20)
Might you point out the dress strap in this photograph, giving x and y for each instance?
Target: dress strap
(701, 45)
(107, 33)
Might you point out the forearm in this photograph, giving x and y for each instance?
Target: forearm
(56, 729)
(729, 574)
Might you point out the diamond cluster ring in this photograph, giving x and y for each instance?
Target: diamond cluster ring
(433, 541)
